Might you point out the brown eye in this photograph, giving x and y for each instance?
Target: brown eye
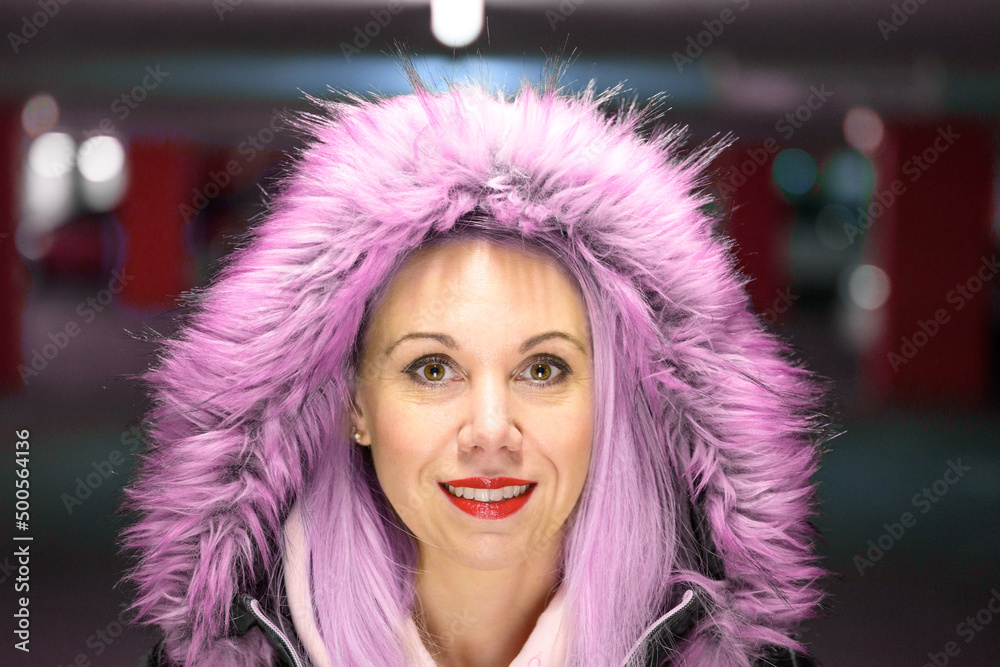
(547, 371)
(541, 372)
(434, 371)
(430, 371)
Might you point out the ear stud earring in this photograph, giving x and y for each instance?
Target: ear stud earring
(357, 435)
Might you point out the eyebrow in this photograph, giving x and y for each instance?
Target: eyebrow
(450, 343)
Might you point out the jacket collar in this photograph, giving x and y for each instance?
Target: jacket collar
(660, 637)
(665, 632)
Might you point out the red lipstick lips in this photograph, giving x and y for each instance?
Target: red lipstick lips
(488, 510)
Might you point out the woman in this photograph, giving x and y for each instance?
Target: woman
(516, 301)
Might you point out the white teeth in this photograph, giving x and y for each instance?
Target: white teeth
(487, 495)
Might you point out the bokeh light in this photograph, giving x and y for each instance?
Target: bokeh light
(868, 287)
(457, 23)
(795, 171)
(101, 161)
(49, 194)
(848, 177)
(39, 115)
(863, 129)
(52, 155)
(101, 158)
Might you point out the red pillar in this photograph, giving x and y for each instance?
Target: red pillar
(757, 219)
(12, 272)
(933, 241)
(161, 177)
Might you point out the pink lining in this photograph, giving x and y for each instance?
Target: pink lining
(546, 645)
(297, 589)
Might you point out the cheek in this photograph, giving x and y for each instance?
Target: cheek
(578, 456)
(396, 474)
(579, 448)
(568, 448)
(572, 435)
(405, 470)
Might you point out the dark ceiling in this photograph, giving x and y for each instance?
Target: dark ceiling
(961, 33)
(942, 56)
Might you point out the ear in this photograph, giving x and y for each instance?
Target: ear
(356, 420)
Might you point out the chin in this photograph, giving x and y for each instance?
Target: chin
(493, 554)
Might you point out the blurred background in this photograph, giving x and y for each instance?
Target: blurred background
(137, 139)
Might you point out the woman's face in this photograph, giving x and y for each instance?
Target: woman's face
(477, 367)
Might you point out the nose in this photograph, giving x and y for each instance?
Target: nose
(489, 426)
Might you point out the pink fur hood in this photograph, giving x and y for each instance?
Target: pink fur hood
(240, 393)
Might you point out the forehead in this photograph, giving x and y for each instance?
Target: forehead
(479, 289)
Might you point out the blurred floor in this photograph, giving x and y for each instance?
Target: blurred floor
(907, 604)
